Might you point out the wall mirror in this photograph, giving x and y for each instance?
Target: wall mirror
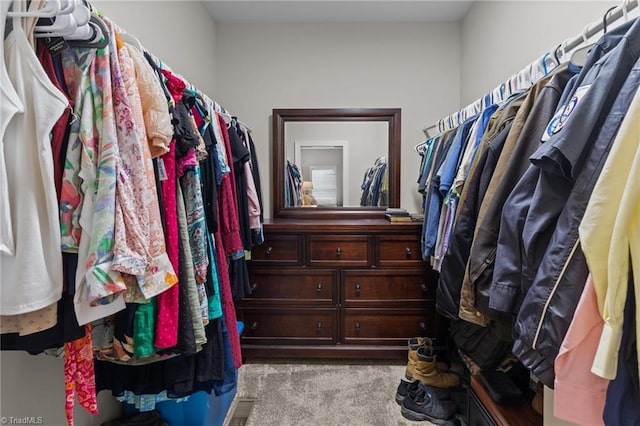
(335, 163)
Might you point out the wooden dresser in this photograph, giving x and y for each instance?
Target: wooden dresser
(338, 289)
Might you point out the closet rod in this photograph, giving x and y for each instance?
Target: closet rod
(454, 120)
(593, 29)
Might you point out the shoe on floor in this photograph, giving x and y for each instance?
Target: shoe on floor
(413, 345)
(427, 372)
(427, 406)
(411, 389)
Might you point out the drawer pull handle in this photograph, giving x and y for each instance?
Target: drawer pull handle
(318, 325)
(424, 287)
(423, 326)
(254, 286)
(268, 251)
(408, 251)
(358, 289)
(254, 325)
(357, 325)
(338, 251)
(319, 288)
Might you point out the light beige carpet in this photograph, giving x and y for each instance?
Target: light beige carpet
(314, 393)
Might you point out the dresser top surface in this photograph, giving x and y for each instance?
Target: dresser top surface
(343, 225)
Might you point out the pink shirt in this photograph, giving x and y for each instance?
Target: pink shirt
(579, 395)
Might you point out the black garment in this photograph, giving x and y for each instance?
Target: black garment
(484, 345)
(257, 237)
(186, 336)
(454, 262)
(66, 329)
(123, 329)
(208, 180)
(210, 365)
(621, 405)
(182, 121)
(239, 276)
(179, 376)
(241, 155)
(156, 174)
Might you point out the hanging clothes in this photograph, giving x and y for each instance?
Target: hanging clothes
(9, 107)
(514, 269)
(36, 262)
(373, 185)
(561, 264)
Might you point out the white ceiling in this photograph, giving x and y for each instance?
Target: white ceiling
(313, 11)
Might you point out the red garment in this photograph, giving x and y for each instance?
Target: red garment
(197, 117)
(58, 133)
(227, 202)
(175, 85)
(227, 242)
(59, 130)
(79, 375)
(227, 301)
(167, 319)
(168, 301)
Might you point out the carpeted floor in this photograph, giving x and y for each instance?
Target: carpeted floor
(321, 394)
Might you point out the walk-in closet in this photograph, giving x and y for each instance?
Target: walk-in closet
(284, 213)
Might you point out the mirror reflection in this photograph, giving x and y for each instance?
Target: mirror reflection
(336, 164)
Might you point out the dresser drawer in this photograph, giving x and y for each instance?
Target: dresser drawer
(399, 250)
(390, 287)
(387, 327)
(343, 250)
(279, 249)
(291, 326)
(303, 286)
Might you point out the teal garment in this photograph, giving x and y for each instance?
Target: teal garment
(148, 402)
(144, 326)
(215, 306)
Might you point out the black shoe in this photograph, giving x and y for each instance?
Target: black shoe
(413, 388)
(427, 406)
(407, 388)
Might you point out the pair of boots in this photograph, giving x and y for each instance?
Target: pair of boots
(423, 366)
(420, 402)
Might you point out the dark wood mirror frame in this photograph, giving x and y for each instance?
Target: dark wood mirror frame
(282, 116)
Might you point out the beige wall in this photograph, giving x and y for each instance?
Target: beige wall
(34, 386)
(500, 38)
(179, 32)
(410, 66)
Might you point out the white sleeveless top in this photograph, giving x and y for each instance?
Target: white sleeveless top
(10, 105)
(32, 278)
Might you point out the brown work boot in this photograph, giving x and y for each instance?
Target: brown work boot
(427, 372)
(413, 344)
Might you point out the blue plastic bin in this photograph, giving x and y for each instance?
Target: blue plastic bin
(201, 409)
